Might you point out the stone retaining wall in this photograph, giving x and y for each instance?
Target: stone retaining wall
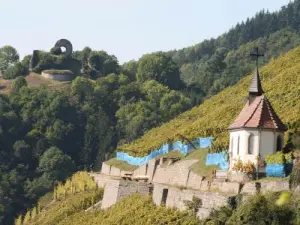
(58, 77)
(176, 198)
(251, 188)
(194, 180)
(105, 169)
(101, 179)
(115, 190)
(141, 171)
(176, 174)
(114, 171)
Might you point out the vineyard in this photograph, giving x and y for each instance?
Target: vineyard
(132, 210)
(281, 83)
(76, 194)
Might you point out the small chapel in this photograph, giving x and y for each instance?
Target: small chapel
(257, 131)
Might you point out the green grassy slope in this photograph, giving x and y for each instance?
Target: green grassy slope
(281, 83)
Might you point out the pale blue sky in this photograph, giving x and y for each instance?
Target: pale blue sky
(125, 28)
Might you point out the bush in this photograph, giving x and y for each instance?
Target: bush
(56, 51)
(261, 210)
(14, 71)
(18, 83)
(279, 158)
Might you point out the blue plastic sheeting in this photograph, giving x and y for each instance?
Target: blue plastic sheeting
(164, 149)
(275, 170)
(279, 170)
(219, 159)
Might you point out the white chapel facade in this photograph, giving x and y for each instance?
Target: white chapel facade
(257, 130)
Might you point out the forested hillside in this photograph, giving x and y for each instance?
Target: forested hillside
(216, 63)
(46, 135)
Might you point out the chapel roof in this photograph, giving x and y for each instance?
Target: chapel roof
(258, 111)
(255, 87)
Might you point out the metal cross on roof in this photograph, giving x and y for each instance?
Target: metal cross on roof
(257, 55)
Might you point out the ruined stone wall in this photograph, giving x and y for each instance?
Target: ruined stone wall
(176, 198)
(152, 165)
(114, 171)
(105, 169)
(176, 174)
(101, 179)
(251, 188)
(58, 77)
(110, 195)
(194, 180)
(115, 190)
(141, 171)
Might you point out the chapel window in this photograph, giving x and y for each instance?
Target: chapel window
(238, 146)
(251, 144)
(279, 143)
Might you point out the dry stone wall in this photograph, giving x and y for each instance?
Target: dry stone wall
(141, 171)
(176, 174)
(110, 195)
(115, 190)
(105, 169)
(194, 180)
(176, 198)
(101, 179)
(114, 171)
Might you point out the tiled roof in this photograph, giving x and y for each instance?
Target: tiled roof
(258, 113)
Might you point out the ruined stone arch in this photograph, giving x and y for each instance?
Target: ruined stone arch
(66, 44)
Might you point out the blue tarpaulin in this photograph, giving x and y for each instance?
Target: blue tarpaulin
(164, 149)
(219, 159)
(278, 170)
(275, 170)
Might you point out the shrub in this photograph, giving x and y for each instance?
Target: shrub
(14, 71)
(261, 210)
(247, 167)
(279, 158)
(56, 51)
(18, 83)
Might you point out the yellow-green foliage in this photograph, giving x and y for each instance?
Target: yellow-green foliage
(133, 210)
(18, 220)
(279, 158)
(62, 208)
(79, 182)
(281, 83)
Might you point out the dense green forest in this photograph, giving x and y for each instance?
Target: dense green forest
(45, 136)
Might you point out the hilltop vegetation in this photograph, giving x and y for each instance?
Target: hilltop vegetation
(281, 82)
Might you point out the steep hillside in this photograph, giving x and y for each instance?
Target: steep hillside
(34, 81)
(281, 82)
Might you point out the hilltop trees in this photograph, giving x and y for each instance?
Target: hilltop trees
(158, 66)
(8, 57)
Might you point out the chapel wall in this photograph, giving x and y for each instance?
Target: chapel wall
(268, 143)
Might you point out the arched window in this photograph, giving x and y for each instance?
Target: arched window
(279, 143)
(231, 146)
(238, 146)
(251, 144)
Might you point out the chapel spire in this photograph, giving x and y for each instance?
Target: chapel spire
(255, 87)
